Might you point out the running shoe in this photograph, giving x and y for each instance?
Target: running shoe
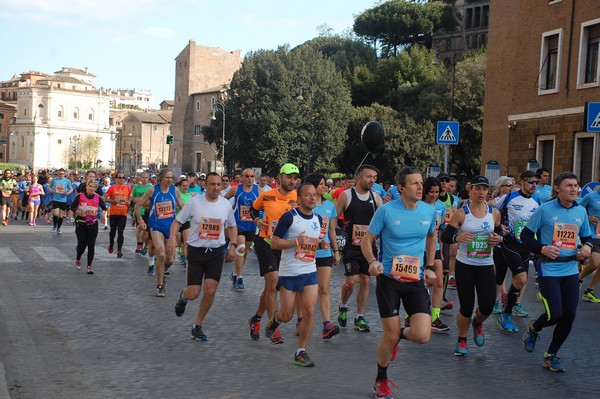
(144, 251)
(34, 223)
(119, 254)
(552, 363)
(271, 328)
(160, 290)
(105, 227)
(53, 231)
(447, 305)
(478, 335)
(89, 270)
(302, 359)
(77, 264)
(233, 279)
(360, 324)
(277, 339)
(151, 270)
(138, 249)
(58, 232)
(382, 390)
(111, 249)
(254, 328)
(330, 330)
(182, 259)
(198, 334)
(506, 324)
(497, 308)
(461, 349)
(240, 283)
(530, 338)
(519, 311)
(589, 296)
(343, 315)
(180, 305)
(438, 326)
(452, 282)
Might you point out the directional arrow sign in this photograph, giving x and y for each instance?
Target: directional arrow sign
(447, 132)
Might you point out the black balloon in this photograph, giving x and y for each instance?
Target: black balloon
(372, 136)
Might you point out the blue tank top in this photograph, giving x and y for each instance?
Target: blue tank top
(242, 203)
(162, 208)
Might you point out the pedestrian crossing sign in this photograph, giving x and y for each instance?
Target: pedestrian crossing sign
(447, 132)
(592, 116)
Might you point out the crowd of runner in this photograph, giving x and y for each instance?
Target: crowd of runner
(417, 237)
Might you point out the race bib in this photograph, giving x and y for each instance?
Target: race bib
(358, 233)
(164, 210)
(565, 235)
(518, 228)
(120, 199)
(210, 228)
(307, 252)
(324, 226)
(271, 228)
(91, 211)
(60, 189)
(449, 213)
(479, 247)
(405, 267)
(245, 215)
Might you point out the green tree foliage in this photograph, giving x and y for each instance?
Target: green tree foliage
(406, 142)
(268, 125)
(88, 149)
(397, 23)
(435, 104)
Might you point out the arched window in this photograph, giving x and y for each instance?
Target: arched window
(60, 112)
(22, 141)
(75, 113)
(198, 105)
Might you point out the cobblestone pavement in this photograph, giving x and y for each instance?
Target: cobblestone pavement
(65, 334)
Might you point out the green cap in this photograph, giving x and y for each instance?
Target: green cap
(289, 169)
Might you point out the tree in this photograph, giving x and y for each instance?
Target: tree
(407, 142)
(89, 147)
(397, 23)
(286, 106)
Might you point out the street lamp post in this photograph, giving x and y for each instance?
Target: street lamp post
(219, 106)
(444, 42)
(304, 82)
(135, 151)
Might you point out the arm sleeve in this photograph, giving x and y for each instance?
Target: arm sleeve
(528, 237)
(102, 204)
(284, 224)
(257, 205)
(75, 203)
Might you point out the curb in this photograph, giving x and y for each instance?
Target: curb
(3, 386)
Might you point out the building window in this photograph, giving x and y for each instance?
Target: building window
(91, 115)
(589, 47)
(76, 113)
(550, 62)
(22, 141)
(24, 111)
(198, 105)
(545, 152)
(585, 157)
(197, 130)
(60, 111)
(59, 141)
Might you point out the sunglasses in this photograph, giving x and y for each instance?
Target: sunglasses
(120, 177)
(533, 181)
(225, 180)
(248, 176)
(445, 180)
(507, 185)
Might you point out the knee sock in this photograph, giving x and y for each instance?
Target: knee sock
(511, 299)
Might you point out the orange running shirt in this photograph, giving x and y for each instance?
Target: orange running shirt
(274, 204)
(119, 199)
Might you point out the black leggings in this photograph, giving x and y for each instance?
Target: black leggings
(513, 256)
(468, 279)
(561, 296)
(117, 222)
(86, 237)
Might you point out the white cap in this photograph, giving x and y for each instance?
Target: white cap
(329, 181)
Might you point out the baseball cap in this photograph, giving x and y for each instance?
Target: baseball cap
(202, 176)
(182, 176)
(329, 181)
(479, 181)
(528, 174)
(289, 169)
(443, 175)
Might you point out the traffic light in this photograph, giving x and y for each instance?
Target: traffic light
(169, 139)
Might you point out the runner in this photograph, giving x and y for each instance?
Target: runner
(86, 207)
(358, 204)
(244, 195)
(117, 196)
(161, 199)
(35, 190)
(516, 209)
(7, 185)
(431, 192)
(557, 224)
(406, 228)
(141, 234)
(60, 188)
(274, 203)
(591, 203)
(448, 251)
(544, 189)
(476, 228)
(297, 237)
(210, 218)
(183, 234)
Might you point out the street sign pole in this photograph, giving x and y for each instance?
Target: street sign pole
(446, 157)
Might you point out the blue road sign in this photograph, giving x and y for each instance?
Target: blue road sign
(447, 132)
(592, 116)
(590, 188)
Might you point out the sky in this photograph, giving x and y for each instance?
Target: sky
(133, 43)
